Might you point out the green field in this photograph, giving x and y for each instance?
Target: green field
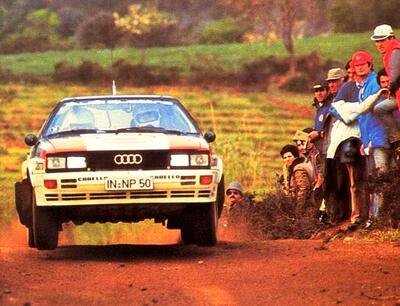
(337, 47)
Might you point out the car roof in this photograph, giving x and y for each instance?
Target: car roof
(119, 97)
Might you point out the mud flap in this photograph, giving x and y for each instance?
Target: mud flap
(23, 202)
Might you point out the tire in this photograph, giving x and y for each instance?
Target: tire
(221, 196)
(45, 228)
(31, 239)
(187, 234)
(206, 224)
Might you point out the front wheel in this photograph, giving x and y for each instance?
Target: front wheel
(45, 228)
(31, 238)
(206, 224)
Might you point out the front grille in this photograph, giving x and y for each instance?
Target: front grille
(127, 195)
(104, 160)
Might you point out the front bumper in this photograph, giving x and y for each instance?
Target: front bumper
(88, 188)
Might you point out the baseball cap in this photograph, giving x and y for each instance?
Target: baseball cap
(382, 31)
(360, 58)
(321, 84)
(335, 74)
(235, 186)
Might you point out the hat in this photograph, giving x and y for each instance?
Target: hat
(300, 135)
(320, 85)
(235, 186)
(360, 58)
(382, 31)
(335, 74)
(290, 148)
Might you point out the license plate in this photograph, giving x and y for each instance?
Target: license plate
(142, 183)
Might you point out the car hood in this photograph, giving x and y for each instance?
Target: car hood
(128, 141)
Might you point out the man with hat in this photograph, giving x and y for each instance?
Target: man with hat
(335, 79)
(389, 47)
(234, 194)
(345, 134)
(322, 102)
(237, 207)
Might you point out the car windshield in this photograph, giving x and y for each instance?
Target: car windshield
(113, 115)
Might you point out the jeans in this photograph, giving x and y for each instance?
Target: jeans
(378, 163)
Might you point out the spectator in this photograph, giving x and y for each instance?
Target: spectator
(299, 178)
(344, 135)
(310, 152)
(235, 196)
(335, 79)
(237, 207)
(322, 102)
(387, 112)
(349, 71)
(389, 47)
(374, 136)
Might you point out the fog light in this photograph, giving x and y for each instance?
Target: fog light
(50, 184)
(206, 179)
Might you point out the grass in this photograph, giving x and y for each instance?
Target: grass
(337, 47)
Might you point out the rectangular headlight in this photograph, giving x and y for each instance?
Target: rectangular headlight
(179, 160)
(199, 160)
(76, 162)
(56, 162)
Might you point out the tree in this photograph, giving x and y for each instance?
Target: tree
(141, 21)
(99, 31)
(278, 16)
(378, 12)
(36, 33)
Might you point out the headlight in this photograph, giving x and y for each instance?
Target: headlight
(179, 160)
(199, 160)
(70, 162)
(56, 162)
(186, 160)
(76, 162)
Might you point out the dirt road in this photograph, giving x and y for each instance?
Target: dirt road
(236, 272)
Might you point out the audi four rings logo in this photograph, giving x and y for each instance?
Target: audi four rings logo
(128, 159)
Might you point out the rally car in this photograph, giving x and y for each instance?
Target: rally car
(120, 159)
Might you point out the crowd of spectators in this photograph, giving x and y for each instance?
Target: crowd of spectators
(355, 136)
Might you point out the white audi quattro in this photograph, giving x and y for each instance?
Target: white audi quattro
(120, 159)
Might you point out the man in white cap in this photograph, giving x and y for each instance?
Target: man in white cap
(335, 79)
(389, 47)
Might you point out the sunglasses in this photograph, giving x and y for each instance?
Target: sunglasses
(319, 89)
(232, 192)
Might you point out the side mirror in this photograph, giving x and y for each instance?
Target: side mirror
(209, 136)
(31, 140)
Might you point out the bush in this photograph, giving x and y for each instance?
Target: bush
(273, 217)
(142, 75)
(87, 72)
(64, 72)
(98, 31)
(260, 70)
(387, 183)
(297, 83)
(225, 30)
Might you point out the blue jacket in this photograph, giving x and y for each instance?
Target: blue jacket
(371, 128)
(321, 112)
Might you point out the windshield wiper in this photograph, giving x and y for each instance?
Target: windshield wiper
(73, 132)
(150, 129)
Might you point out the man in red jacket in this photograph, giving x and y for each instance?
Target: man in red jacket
(389, 47)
